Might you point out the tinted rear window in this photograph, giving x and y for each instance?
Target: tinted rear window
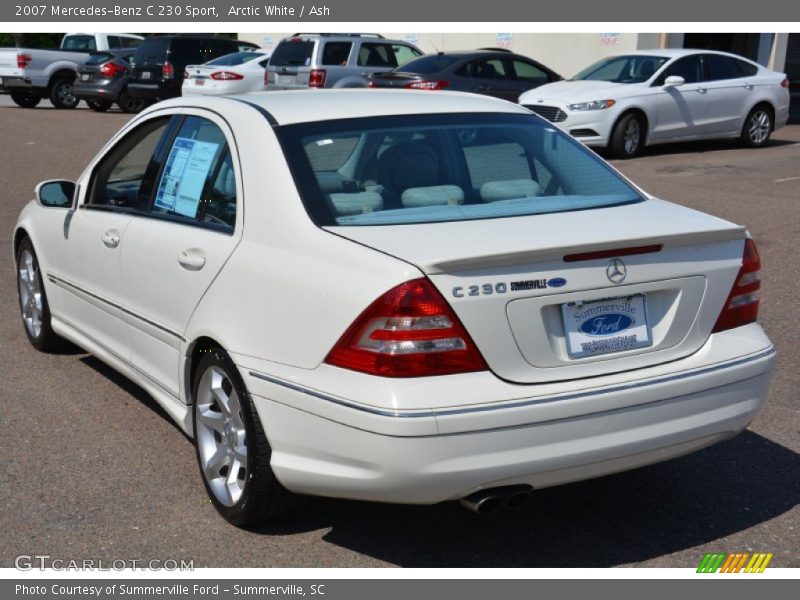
(153, 49)
(291, 53)
(98, 58)
(444, 167)
(429, 64)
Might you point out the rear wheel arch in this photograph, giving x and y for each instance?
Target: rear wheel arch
(768, 105)
(194, 354)
(59, 75)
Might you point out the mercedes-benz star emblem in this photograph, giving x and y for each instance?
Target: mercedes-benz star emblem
(616, 271)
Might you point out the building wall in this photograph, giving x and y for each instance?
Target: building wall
(565, 53)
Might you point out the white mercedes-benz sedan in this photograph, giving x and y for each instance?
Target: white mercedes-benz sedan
(651, 97)
(394, 296)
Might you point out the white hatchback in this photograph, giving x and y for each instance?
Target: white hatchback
(394, 296)
(656, 96)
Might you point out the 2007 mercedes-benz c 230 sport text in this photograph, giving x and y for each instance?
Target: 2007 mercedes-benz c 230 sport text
(394, 296)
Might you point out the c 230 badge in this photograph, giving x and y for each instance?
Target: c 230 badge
(487, 289)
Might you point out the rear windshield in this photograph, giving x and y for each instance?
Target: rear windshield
(432, 63)
(292, 53)
(79, 43)
(450, 167)
(98, 58)
(154, 48)
(237, 58)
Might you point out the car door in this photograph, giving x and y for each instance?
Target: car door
(731, 93)
(494, 77)
(88, 272)
(681, 111)
(171, 257)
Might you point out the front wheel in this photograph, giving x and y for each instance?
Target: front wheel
(33, 300)
(25, 100)
(98, 106)
(232, 449)
(627, 138)
(757, 127)
(61, 94)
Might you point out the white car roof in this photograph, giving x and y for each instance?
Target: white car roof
(302, 106)
(678, 52)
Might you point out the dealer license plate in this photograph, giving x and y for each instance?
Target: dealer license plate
(606, 326)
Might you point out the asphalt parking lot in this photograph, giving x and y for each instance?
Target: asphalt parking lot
(91, 467)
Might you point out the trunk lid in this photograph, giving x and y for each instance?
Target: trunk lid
(522, 302)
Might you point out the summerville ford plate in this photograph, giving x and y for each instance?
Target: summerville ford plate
(605, 326)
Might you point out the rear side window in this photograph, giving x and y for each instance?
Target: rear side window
(114, 43)
(444, 167)
(128, 42)
(726, 67)
(376, 55)
(79, 43)
(237, 58)
(336, 53)
(292, 53)
(197, 183)
(403, 53)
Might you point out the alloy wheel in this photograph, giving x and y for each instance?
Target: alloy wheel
(631, 137)
(221, 437)
(759, 127)
(30, 293)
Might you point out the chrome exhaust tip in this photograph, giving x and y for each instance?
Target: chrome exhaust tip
(492, 499)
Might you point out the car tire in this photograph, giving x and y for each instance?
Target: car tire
(61, 94)
(25, 100)
(627, 139)
(130, 104)
(757, 127)
(232, 450)
(99, 106)
(33, 300)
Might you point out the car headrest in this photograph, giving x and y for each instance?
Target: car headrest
(432, 196)
(493, 191)
(408, 165)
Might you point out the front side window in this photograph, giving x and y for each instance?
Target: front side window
(493, 68)
(689, 67)
(197, 183)
(125, 177)
(446, 167)
(114, 43)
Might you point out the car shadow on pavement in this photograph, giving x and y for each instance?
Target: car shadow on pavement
(619, 519)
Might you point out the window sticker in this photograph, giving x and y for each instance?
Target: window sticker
(185, 175)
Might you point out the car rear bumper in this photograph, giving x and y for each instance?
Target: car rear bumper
(16, 84)
(154, 91)
(440, 454)
(91, 91)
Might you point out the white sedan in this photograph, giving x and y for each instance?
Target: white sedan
(230, 74)
(654, 96)
(394, 296)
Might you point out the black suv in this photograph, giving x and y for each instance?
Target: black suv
(159, 63)
(491, 71)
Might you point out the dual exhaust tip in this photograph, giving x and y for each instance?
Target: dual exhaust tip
(492, 499)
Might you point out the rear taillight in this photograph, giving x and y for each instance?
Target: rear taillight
(785, 83)
(168, 71)
(372, 84)
(23, 60)
(110, 69)
(741, 306)
(225, 76)
(410, 331)
(316, 79)
(428, 85)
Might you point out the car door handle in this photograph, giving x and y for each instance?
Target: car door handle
(482, 88)
(748, 86)
(111, 238)
(192, 259)
(702, 90)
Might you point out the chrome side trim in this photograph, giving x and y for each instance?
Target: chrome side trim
(767, 352)
(75, 288)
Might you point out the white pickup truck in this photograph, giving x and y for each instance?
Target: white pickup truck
(30, 74)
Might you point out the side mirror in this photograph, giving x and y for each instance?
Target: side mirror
(56, 193)
(674, 81)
